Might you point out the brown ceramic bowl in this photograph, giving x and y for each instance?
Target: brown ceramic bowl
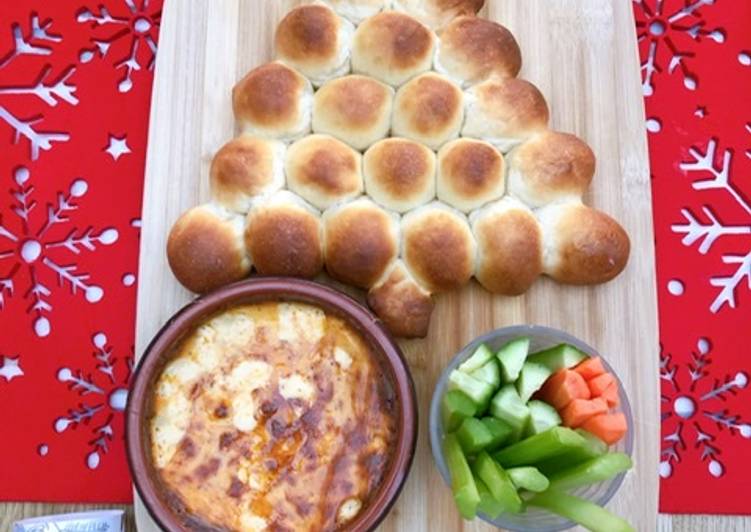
(253, 291)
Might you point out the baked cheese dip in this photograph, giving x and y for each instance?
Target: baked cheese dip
(273, 416)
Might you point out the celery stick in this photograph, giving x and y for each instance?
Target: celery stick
(500, 432)
(549, 444)
(490, 373)
(595, 443)
(559, 357)
(590, 472)
(473, 436)
(528, 478)
(477, 390)
(498, 482)
(488, 505)
(455, 407)
(462, 482)
(588, 514)
(479, 358)
(592, 448)
(512, 357)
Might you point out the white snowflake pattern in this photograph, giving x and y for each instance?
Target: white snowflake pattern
(138, 27)
(26, 245)
(688, 400)
(106, 393)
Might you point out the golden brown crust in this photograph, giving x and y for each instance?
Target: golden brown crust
(308, 34)
(356, 101)
(400, 169)
(268, 96)
(438, 13)
(403, 306)
(470, 173)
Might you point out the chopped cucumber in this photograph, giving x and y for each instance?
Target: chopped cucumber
(592, 448)
(462, 482)
(588, 514)
(562, 356)
(473, 436)
(488, 505)
(477, 390)
(498, 483)
(531, 379)
(455, 407)
(508, 406)
(490, 373)
(512, 357)
(543, 417)
(549, 444)
(528, 478)
(479, 358)
(500, 432)
(590, 472)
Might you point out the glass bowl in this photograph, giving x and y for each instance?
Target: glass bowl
(534, 519)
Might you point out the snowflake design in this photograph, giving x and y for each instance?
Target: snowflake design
(658, 27)
(138, 26)
(28, 244)
(709, 230)
(48, 88)
(688, 400)
(108, 386)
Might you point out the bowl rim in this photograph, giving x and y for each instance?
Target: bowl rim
(256, 290)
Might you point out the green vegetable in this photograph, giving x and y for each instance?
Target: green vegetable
(592, 448)
(455, 407)
(508, 406)
(473, 436)
(543, 418)
(477, 390)
(512, 357)
(498, 482)
(488, 505)
(500, 432)
(531, 379)
(559, 357)
(549, 444)
(590, 472)
(587, 514)
(479, 358)
(462, 482)
(528, 478)
(490, 373)
(593, 442)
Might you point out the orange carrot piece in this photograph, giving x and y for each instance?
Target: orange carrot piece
(590, 368)
(563, 387)
(599, 384)
(580, 410)
(610, 428)
(611, 395)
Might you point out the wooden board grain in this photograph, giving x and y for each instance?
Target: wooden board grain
(583, 56)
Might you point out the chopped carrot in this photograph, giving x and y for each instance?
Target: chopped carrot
(611, 395)
(590, 368)
(600, 383)
(580, 410)
(563, 387)
(610, 428)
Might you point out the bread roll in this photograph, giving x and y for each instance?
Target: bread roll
(358, 10)
(273, 101)
(549, 167)
(392, 47)
(505, 112)
(205, 248)
(403, 306)
(354, 109)
(361, 242)
(582, 245)
(429, 109)
(314, 40)
(438, 247)
(323, 170)
(438, 13)
(244, 168)
(509, 247)
(470, 174)
(472, 49)
(399, 174)
(283, 235)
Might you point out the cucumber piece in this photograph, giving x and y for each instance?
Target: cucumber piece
(592, 448)
(473, 436)
(490, 373)
(477, 390)
(500, 432)
(562, 356)
(508, 406)
(498, 483)
(512, 357)
(590, 472)
(488, 505)
(531, 378)
(528, 478)
(549, 444)
(588, 514)
(462, 482)
(543, 417)
(479, 358)
(455, 407)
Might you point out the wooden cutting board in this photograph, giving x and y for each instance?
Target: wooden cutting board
(583, 56)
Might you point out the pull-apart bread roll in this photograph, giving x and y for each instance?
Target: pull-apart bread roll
(273, 101)
(358, 10)
(205, 248)
(361, 242)
(244, 168)
(505, 112)
(582, 245)
(354, 109)
(470, 174)
(401, 303)
(323, 170)
(551, 167)
(283, 235)
(438, 13)
(438, 247)
(429, 109)
(392, 47)
(316, 41)
(509, 247)
(472, 49)
(399, 174)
